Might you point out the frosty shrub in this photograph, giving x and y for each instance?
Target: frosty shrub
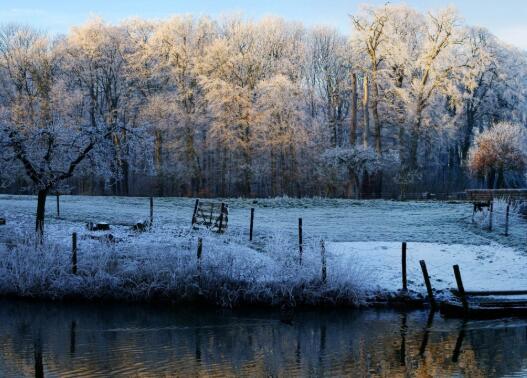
(497, 151)
(159, 268)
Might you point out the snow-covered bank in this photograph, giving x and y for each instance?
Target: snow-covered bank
(483, 267)
(161, 264)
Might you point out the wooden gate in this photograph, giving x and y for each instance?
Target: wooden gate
(211, 215)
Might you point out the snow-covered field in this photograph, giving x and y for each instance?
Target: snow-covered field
(483, 267)
(362, 244)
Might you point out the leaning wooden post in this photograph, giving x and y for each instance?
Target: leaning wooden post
(251, 225)
(507, 218)
(460, 287)
(300, 247)
(323, 258)
(151, 210)
(198, 255)
(74, 253)
(403, 263)
(222, 209)
(195, 211)
(58, 205)
(426, 277)
(491, 211)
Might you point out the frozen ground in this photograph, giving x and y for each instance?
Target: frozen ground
(331, 219)
(483, 267)
(363, 250)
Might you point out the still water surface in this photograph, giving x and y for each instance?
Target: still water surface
(71, 340)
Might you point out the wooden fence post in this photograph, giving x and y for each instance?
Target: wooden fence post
(74, 253)
(151, 210)
(251, 225)
(58, 206)
(323, 258)
(300, 247)
(491, 211)
(507, 218)
(195, 211)
(403, 263)
(426, 277)
(222, 209)
(460, 287)
(198, 255)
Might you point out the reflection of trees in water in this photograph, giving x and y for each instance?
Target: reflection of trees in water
(122, 339)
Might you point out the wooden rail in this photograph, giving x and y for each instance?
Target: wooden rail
(476, 307)
(487, 195)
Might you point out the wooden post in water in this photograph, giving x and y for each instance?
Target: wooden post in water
(72, 336)
(323, 258)
(403, 263)
(404, 330)
(459, 343)
(491, 211)
(429, 290)
(426, 333)
(39, 366)
(251, 225)
(58, 205)
(151, 211)
(460, 287)
(300, 247)
(507, 218)
(74, 253)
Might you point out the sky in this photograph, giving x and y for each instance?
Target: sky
(505, 18)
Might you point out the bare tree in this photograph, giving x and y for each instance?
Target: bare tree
(41, 114)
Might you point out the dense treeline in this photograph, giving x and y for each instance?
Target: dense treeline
(200, 107)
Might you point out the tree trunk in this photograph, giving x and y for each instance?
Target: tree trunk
(500, 184)
(490, 179)
(467, 134)
(41, 212)
(375, 113)
(366, 113)
(366, 185)
(414, 141)
(353, 124)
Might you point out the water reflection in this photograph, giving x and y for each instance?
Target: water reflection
(42, 339)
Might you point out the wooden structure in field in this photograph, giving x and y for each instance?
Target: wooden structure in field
(211, 215)
(487, 195)
(484, 304)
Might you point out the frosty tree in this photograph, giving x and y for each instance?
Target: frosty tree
(237, 107)
(43, 127)
(499, 150)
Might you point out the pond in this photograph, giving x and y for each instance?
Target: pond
(100, 340)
